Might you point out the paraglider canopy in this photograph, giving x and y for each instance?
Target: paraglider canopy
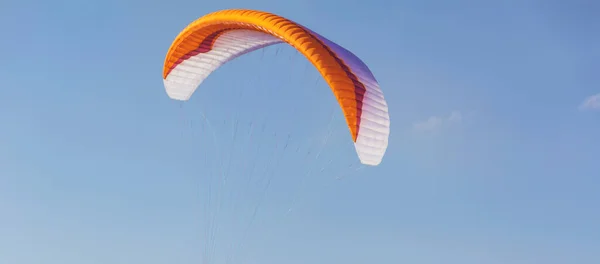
(216, 38)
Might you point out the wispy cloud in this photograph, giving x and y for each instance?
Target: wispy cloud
(591, 103)
(436, 122)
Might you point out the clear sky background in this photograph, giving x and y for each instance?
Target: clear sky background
(493, 154)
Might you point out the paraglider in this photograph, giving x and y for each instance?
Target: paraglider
(219, 37)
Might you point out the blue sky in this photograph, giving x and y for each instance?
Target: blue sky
(492, 156)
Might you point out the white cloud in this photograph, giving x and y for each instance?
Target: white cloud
(455, 116)
(591, 103)
(436, 122)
